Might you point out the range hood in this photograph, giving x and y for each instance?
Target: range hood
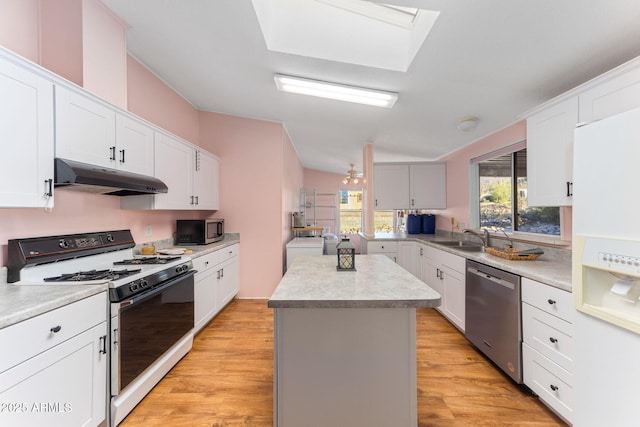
(84, 177)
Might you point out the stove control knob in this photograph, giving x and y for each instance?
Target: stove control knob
(110, 238)
(133, 287)
(63, 243)
(143, 284)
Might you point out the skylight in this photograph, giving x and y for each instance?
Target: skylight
(351, 31)
(396, 15)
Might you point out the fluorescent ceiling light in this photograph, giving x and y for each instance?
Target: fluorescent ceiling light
(336, 91)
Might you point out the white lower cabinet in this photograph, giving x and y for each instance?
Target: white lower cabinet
(216, 283)
(206, 304)
(406, 257)
(445, 273)
(390, 249)
(59, 376)
(547, 348)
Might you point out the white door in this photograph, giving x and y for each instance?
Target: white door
(63, 386)
(550, 154)
(85, 129)
(174, 166)
(206, 181)
(427, 186)
(26, 126)
(134, 146)
(391, 187)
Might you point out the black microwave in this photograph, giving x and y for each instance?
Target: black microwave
(199, 231)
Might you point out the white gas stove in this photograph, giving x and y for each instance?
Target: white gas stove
(151, 310)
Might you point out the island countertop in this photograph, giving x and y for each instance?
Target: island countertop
(378, 282)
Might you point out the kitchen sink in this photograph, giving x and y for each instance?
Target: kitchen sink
(460, 245)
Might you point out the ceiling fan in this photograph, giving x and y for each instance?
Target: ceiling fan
(352, 176)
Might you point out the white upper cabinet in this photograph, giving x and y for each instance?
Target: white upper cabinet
(134, 145)
(427, 186)
(615, 95)
(85, 129)
(26, 125)
(551, 126)
(409, 186)
(550, 154)
(391, 186)
(174, 166)
(206, 177)
(191, 174)
(93, 132)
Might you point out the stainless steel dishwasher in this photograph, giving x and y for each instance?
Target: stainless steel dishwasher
(492, 313)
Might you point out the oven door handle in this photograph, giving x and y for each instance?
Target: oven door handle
(154, 291)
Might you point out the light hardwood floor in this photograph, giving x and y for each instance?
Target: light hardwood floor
(227, 378)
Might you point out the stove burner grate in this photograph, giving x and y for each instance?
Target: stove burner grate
(92, 275)
(147, 260)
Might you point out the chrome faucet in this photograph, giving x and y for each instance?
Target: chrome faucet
(484, 236)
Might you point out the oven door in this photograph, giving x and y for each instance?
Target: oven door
(145, 327)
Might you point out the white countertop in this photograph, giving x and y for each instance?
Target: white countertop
(20, 302)
(378, 282)
(552, 268)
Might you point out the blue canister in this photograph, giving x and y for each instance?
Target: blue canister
(428, 223)
(414, 225)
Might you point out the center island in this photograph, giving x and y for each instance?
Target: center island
(345, 343)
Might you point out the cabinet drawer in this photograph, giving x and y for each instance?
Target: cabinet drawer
(550, 382)
(228, 252)
(206, 262)
(36, 335)
(547, 298)
(382, 247)
(549, 335)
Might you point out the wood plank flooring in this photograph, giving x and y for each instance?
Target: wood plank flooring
(227, 379)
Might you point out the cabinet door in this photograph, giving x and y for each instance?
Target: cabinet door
(407, 256)
(26, 125)
(421, 262)
(427, 186)
(205, 296)
(228, 281)
(85, 129)
(174, 166)
(454, 290)
(206, 181)
(134, 145)
(614, 96)
(63, 386)
(391, 187)
(550, 154)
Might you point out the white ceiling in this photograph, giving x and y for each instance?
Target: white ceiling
(494, 59)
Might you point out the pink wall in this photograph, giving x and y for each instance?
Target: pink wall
(252, 164)
(19, 27)
(151, 99)
(61, 38)
(458, 172)
(104, 52)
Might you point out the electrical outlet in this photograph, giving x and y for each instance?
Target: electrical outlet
(147, 231)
